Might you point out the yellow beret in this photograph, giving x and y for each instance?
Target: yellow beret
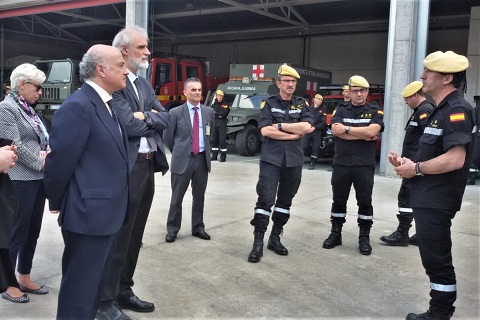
(346, 87)
(219, 92)
(319, 96)
(286, 70)
(446, 62)
(412, 88)
(358, 81)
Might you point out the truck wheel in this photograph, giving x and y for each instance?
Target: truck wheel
(248, 141)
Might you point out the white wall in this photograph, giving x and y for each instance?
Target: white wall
(344, 55)
(362, 54)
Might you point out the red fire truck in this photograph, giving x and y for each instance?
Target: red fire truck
(167, 74)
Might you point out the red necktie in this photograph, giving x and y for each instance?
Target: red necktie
(196, 128)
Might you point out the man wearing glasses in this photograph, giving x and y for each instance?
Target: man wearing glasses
(355, 125)
(284, 119)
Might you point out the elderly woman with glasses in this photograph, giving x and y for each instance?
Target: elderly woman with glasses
(24, 127)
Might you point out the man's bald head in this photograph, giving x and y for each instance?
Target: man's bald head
(105, 66)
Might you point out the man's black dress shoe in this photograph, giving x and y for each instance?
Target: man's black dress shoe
(135, 304)
(170, 237)
(201, 234)
(111, 313)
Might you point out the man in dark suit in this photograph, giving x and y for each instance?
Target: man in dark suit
(86, 180)
(144, 119)
(190, 158)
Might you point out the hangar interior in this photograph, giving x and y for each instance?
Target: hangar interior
(342, 36)
(374, 38)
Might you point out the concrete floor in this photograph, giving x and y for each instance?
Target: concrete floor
(197, 279)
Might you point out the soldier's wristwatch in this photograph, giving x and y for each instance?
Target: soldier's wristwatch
(417, 169)
(347, 129)
(279, 126)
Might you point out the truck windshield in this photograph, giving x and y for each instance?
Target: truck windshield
(248, 101)
(56, 71)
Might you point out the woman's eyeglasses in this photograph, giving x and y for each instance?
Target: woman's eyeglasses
(38, 87)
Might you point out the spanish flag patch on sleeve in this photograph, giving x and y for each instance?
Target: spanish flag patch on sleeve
(423, 116)
(457, 117)
(380, 111)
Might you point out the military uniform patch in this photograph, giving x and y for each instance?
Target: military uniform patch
(262, 104)
(457, 117)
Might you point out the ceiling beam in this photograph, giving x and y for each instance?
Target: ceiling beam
(51, 7)
(161, 26)
(262, 12)
(453, 22)
(203, 12)
(56, 31)
(210, 11)
(90, 23)
(295, 12)
(97, 21)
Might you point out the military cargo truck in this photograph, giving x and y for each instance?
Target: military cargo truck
(62, 79)
(248, 86)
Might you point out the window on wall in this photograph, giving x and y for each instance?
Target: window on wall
(179, 72)
(163, 75)
(192, 72)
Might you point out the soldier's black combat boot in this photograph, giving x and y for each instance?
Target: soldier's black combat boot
(397, 238)
(400, 236)
(214, 155)
(472, 175)
(335, 237)
(257, 250)
(364, 241)
(429, 315)
(413, 240)
(223, 156)
(312, 163)
(274, 243)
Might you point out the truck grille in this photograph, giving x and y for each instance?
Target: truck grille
(50, 94)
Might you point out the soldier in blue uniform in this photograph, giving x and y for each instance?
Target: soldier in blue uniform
(219, 135)
(439, 176)
(346, 93)
(284, 119)
(355, 125)
(475, 164)
(415, 100)
(314, 139)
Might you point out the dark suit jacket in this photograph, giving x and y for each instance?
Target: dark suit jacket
(178, 137)
(8, 205)
(126, 102)
(86, 174)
